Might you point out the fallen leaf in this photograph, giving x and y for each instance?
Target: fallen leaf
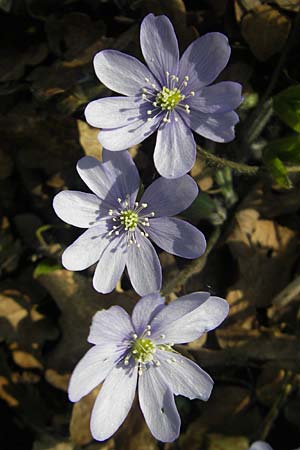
(88, 139)
(261, 248)
(78, 302)
(80, 420)
(265, 29)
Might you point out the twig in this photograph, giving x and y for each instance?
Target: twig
(195, 267)
(241, 168)
(288, 293)
(222, 162)
(279, 402)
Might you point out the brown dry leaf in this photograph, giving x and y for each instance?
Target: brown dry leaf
(222, 442)
(241, 7)
(80, 419)
(57, 380)
(230, 408)
(261, 248)
(78, 302)
(5, 395)
(176, 11)
(24, 328)
(256, 347)
(88, 139)
(134, 433)
(26, 360)
(49, 443)
(266, 30)
(193, 438)
(290, 5)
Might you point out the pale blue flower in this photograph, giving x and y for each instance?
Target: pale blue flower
(173, 96)
(260, 445)
(137, 352)
(119, 228)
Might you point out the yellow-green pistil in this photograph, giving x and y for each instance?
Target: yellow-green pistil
(168, 99)
(143, 350)
(129, 219)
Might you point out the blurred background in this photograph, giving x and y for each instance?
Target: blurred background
(249, 213)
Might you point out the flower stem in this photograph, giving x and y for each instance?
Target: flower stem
(222, 162)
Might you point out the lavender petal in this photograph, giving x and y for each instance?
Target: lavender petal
(183, 376)
(123, 170)
(77, 208)
(260, 445)
(86, 250)
(91, 370)
(204, 60)
(144, 310)
(110, 327)
(143, 266)
(158, 405)
(177, 237)
(168, 197)
(216, 127)
(98, 180)
(110, 266)
(159, 46)
(187, 318)
(175, 149)
(122, 73)
(119, 138)
(113, 112)
(218, 98)
(113, 402)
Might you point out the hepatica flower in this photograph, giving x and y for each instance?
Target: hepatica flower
(260, 445)
(170, 95)
(137, 352)
(119, 227)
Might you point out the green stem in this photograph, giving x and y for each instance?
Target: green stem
(222, 162)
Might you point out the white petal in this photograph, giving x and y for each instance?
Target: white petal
(187, 318)
(86, 250)
(77, 208)
(113, 402)
(111, 326)
(183, 376)
(143, 266)
(113, 112)
(158, 405)
(110, 266)
(91, 370)
(121, 73)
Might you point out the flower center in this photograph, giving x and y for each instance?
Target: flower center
(168, 99)
(172, 96)
(143, 349)
(129, 219)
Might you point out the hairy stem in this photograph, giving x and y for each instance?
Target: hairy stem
(222, 162)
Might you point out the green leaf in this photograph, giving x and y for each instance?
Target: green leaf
(287, 149)
(44, 267)
(206, 207)
(287, 106)
(278, 172)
